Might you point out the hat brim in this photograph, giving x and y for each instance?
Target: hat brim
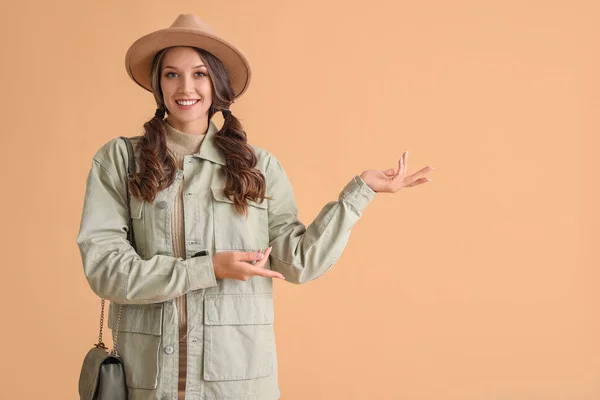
(139, 57)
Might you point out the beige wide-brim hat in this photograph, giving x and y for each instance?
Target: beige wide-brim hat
(187, 30)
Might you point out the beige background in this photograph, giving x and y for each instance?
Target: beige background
(481, 285)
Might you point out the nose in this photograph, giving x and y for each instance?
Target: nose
(187, 86)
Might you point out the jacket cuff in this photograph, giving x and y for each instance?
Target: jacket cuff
(201, 273)
(357, 193)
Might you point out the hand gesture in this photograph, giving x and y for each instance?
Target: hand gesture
(242, 265)
(393, 179)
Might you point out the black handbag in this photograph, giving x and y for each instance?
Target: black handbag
(103, 372)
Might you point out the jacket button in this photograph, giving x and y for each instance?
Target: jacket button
(161, 204)
(169, 349)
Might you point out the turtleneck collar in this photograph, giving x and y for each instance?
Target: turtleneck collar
(181, 143)
(208, 149)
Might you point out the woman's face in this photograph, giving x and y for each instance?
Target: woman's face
(186, 88)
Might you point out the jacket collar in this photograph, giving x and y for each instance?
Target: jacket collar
(208, 148)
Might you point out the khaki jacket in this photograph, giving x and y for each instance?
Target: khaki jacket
(231, 346)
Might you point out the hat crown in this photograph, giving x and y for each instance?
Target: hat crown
(193, 22)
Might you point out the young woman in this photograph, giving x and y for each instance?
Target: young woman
(215, 220)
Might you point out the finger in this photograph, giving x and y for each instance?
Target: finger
(390, 172)
(267, 273)
(254, 262)
(419, 182)
(262, 262)
(402, 166)
(421, 173)
(248, 256)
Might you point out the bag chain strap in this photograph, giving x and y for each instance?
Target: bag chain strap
(131, 238)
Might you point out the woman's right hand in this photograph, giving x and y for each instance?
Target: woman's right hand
(237, 265)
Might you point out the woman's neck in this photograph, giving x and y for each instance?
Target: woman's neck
(180, 143)
(197, 127)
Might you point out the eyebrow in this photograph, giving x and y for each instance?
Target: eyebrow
(197, 66)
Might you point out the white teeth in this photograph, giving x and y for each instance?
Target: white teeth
(186, 102)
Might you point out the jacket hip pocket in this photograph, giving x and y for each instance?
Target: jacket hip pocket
(138, 342)
(238, 337)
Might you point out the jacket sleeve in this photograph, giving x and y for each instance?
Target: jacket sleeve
(111, 265)
(302, 253)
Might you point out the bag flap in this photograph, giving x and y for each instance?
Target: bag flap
(90, 372)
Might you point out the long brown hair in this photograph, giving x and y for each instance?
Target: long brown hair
(157, 166)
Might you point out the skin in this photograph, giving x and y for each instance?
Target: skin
(393, 179)
(184, 76)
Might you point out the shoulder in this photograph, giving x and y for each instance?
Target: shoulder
(265, 160)
(113, 153)
(271, 167)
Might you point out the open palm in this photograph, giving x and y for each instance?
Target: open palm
(393, 179)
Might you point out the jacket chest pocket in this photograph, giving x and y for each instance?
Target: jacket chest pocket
(138, 342)
(233, 231)
(238, 337)
(139, 226)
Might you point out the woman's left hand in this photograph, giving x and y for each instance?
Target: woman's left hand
(393, 179)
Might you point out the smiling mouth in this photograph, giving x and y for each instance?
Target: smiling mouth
(186, 102)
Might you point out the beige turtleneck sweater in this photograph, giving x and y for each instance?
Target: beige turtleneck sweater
(180, 144)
